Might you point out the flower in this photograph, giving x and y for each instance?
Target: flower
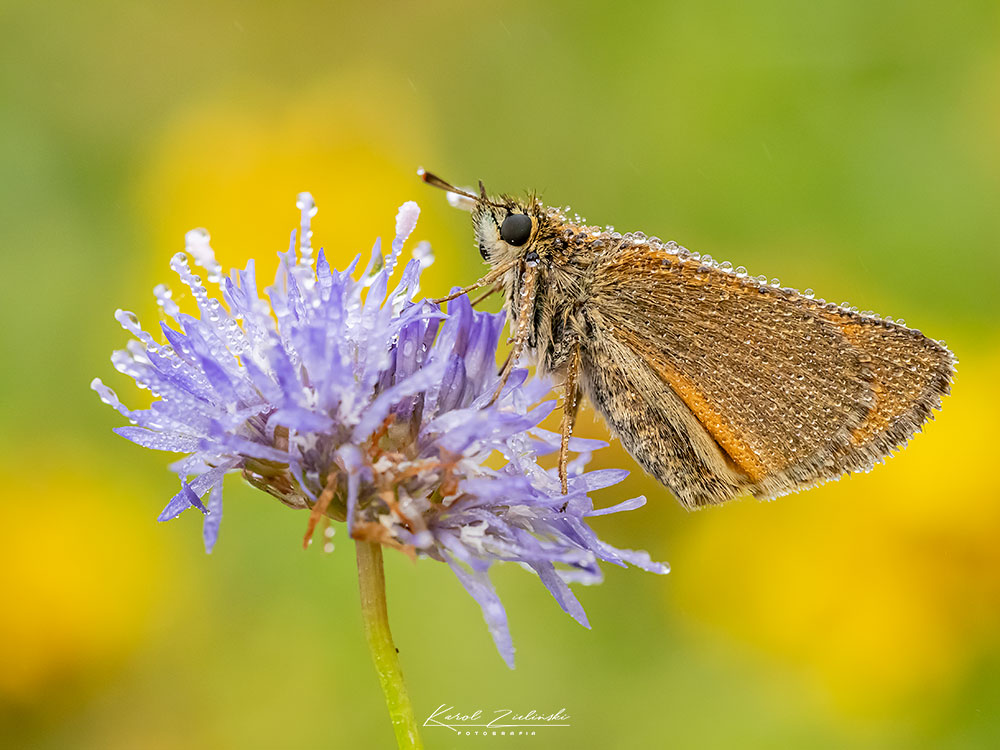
(366, 407)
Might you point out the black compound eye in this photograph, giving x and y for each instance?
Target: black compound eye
(516, 229)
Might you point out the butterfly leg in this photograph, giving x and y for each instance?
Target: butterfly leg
(571, 404)
(512, 357)
(523, 328)
(491, 278)
(493, 289)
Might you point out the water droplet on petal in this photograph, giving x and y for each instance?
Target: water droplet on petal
(305, 202)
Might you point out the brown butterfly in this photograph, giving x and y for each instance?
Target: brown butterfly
(718, 383)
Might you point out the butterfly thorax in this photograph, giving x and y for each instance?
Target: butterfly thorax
(567, 258)
(717, 382)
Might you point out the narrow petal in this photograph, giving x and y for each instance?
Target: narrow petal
(561, 593)
(210, 528)
(180, 502)
(160, 441)
(634, 503)
(481, 589)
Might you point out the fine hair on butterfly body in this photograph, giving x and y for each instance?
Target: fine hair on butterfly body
(718, 383)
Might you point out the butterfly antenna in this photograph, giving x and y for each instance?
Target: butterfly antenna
(432, 179)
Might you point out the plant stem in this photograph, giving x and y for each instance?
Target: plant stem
(371, 581)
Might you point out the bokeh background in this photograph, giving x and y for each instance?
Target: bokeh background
(852, 147)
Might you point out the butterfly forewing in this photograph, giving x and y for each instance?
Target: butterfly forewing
(719, 384)
(791, 391)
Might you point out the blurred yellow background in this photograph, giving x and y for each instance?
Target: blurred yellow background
(851, 147)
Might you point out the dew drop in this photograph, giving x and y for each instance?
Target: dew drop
(196, 237)
(307, 206)
(197, 243)
(305, 202)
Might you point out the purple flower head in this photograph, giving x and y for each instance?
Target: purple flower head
(341, 397)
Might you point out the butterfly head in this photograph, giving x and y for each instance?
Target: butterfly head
(506, 228)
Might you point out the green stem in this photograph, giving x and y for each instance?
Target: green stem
(371, 581)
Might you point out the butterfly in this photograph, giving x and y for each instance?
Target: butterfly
(718, 383)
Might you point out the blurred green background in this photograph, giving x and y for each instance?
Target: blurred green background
(851, 147)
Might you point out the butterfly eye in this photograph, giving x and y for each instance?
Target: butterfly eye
(516, 229)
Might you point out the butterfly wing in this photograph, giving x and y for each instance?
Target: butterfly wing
(721, 385)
